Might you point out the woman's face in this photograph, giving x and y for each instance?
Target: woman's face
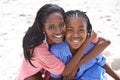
(55, 28)
(76, 32)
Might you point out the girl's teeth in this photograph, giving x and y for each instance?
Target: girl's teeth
(76, 41)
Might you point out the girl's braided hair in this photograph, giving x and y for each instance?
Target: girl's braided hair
(81, 14)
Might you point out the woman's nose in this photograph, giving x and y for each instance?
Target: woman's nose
(58, 30)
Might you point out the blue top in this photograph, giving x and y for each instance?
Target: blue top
(63, 52)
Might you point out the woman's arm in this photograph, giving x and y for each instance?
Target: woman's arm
(79, 54)
(111, 72)
(97, 49)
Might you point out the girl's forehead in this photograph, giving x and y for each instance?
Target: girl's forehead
(76, 19)
(75, 22)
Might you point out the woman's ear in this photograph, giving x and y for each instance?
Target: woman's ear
(43, 30)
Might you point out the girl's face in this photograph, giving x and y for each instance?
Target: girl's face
(76, 32)
(55, 28)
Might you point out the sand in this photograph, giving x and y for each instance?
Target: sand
(17, 15)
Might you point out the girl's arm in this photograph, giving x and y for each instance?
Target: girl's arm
(97, 49)
(111, 72)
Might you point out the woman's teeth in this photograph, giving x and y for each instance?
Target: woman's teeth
(58, 36)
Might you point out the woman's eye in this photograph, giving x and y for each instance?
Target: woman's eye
(51, 27)
(62, 24)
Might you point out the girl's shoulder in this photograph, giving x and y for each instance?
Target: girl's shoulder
(89, 47)
(60, 48)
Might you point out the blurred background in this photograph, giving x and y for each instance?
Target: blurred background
(17, 15)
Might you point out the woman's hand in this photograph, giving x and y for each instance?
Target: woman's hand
(92, 37)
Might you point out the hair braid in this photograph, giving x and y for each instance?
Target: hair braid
(78, 13)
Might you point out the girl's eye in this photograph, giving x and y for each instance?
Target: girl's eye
(81, 30)
(62, 24)
(69, 30)
(51, 27)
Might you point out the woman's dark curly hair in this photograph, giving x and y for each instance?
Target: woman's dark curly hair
(34, 36)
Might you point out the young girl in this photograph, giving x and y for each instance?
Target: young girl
(78, 28)
(48, 28)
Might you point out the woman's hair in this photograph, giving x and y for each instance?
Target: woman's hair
(35, 36)
(81, 14)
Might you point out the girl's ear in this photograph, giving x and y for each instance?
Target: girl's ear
(88, 34)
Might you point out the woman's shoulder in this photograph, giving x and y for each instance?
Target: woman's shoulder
(42, 45)
(41, 49)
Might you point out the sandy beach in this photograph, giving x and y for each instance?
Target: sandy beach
(17, 15)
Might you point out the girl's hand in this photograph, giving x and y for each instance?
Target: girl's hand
(71, 76)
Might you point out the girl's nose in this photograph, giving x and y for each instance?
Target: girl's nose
(76, 35)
